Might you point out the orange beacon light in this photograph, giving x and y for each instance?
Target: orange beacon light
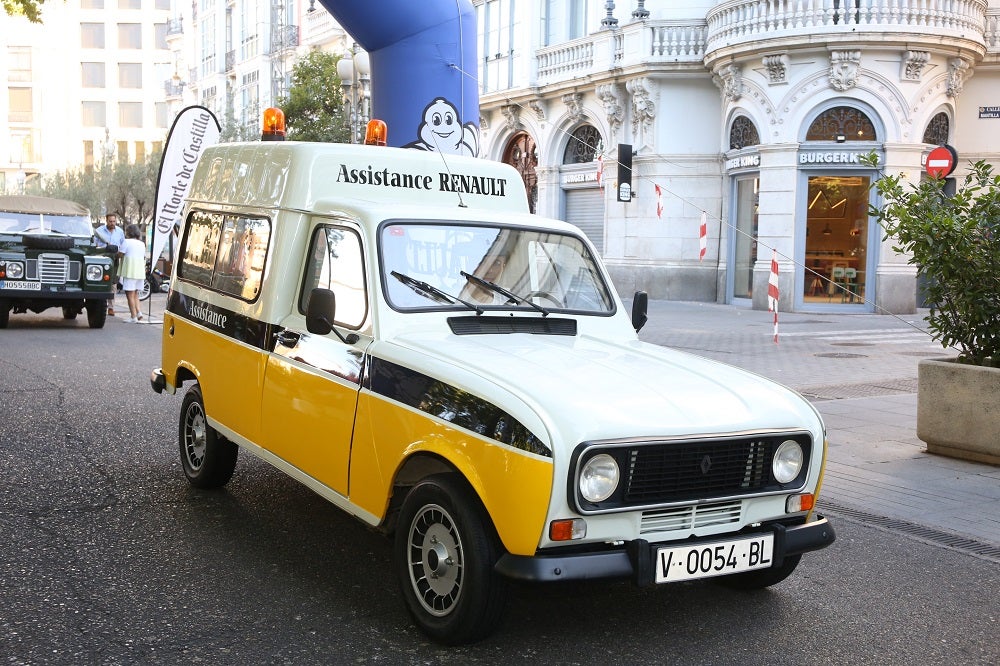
(273, 128)
(376, 133)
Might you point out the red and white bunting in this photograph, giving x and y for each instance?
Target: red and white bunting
(703, 236)
(659, 202)
(772, 292)
(600, 171)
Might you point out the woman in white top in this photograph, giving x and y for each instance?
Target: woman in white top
(133, 271)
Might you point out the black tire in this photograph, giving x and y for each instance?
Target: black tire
(145, 290)
(69, 312)
(207, 458)
(4, 312)
(97, 313)
(49, 242)
(444, 552)
(758, 580)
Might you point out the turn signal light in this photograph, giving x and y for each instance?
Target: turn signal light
(567, 530)
(273, 127)
(376, 133)
(797, 503)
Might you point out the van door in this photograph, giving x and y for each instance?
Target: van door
(312, 382)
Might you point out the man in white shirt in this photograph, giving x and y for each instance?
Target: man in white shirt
(110, 237)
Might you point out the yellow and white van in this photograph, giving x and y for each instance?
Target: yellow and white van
(393, 328)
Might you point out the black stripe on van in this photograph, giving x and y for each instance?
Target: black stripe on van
(239, 327)
(450, 403)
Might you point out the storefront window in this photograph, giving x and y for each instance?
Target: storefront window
(745, 232)
(836, 239)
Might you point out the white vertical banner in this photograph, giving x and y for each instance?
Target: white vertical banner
(194, 129)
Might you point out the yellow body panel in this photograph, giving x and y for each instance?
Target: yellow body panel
(230, 374)
(307, 420)
(515, 487)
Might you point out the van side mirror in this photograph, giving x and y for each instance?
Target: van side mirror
(321, 313)
(640, 307)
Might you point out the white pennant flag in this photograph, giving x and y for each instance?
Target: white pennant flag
(194, 129)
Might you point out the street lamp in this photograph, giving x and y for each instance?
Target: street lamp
(354, 71)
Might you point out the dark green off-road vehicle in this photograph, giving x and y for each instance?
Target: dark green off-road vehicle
(48, 260)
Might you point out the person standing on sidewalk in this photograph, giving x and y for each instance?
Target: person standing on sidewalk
(133, 271)
(110, 238)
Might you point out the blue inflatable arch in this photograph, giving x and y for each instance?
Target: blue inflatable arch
(424, 69)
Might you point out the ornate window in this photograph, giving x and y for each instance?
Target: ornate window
(937, 130)
(585, 144)
(841, 123)
(743, 133)
(522, 154)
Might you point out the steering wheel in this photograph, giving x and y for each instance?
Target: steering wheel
(545, 295)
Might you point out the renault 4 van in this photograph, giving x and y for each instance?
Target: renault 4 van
(393, 329)
(48, 259)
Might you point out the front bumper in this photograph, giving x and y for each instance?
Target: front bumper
(635, 559)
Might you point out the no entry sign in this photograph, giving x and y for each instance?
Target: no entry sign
(941, 162)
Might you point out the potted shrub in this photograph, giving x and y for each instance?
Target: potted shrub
(955, 240)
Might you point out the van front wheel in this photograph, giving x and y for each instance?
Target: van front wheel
(208, 458)
(444, 552)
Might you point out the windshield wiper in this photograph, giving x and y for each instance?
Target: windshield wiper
(433, 293)
(494, 287)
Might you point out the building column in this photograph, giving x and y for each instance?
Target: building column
(776, 223)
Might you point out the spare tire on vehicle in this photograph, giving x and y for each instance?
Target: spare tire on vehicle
(49, 242)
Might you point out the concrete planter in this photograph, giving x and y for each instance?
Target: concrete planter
(958, 410)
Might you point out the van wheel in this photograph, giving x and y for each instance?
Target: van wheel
(444, 552)
(758, 580)
(4, 312)
(97, 313)
(69, 313)
(208, 458)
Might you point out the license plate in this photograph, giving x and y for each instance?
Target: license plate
(714, 559)
(20, 284)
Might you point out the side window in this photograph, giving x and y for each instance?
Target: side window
(336, 263)
(225, 253)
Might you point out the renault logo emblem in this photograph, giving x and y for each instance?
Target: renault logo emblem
(706, 464)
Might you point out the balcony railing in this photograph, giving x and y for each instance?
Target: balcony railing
(175, 27)
(992, 32)
(746, 22)
(284, 38)
(749, 23)
(652, 42)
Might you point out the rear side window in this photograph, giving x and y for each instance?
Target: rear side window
(335, 262)
(225, 253)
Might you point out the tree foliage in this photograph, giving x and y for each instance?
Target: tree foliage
(112, 187)
(30, 9)
(955, 240)
(314, 109)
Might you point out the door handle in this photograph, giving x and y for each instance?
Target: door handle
(287, 338)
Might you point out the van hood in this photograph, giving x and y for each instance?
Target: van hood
(591, 389)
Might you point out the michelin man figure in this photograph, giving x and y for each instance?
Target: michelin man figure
(441, 130)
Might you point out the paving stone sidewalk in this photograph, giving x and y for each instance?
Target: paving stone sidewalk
(861, 373)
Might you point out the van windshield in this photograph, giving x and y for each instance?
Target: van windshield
(489, 266)
(73, 225)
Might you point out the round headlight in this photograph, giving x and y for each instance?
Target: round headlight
(787, 461)
(15, 270)
(599, 478)
(94, 272)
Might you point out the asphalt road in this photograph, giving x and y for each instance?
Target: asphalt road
(107, 556)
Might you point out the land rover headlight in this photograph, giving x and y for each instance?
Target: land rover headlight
(94, 272)
(788, 461)
(599, 478)
(15, 270)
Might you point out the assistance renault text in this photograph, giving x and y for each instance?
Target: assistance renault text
(394, 329)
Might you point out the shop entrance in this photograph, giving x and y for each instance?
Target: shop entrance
(836, 254)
